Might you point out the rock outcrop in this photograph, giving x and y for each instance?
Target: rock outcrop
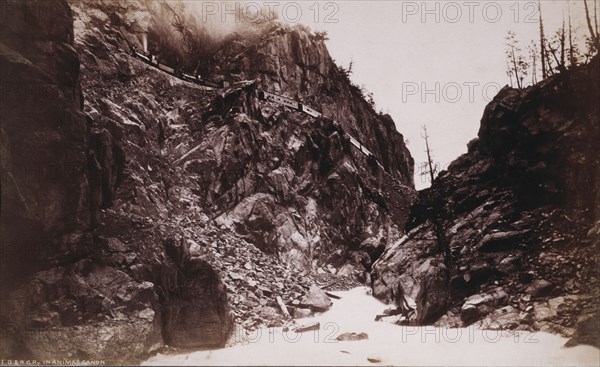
(316, 300)
(77, 281)
(295, 62)
(518, 215)
(138, 209)
(295, 185)
(287, 183)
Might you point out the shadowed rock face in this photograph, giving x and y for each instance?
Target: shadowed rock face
(128, 257)
(519, 212)
(70, 287)
(287, 183)
(294, 62)
(46, 184)
(292, 184)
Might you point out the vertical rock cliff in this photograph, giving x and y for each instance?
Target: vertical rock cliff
(348, 209)
(141, 211)
(69, 287)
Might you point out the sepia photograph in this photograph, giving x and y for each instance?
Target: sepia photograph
(299, 183)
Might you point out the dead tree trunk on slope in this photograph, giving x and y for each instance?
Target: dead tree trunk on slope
(438, 207)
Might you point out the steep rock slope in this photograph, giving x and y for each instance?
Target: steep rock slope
(69, 285)
(345, 203)
(146, 200)
(281, 180)
(203, 178)
(295, 62)
(519, 214)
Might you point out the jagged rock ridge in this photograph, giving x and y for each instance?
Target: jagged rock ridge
(519, 213)
(285, 182)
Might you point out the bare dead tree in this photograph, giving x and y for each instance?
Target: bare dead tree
(562, 43)
(593, 30)
(556, 48)
(572, 59)
(518, 65)
(509, 73)
(432, 170)
(438, 206)
(542, 42)
(533, 55)
(596, 16)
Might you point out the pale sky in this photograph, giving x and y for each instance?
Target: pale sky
(427, 62)
(399, 49)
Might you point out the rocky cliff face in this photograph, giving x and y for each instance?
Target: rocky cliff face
(317, 197)
(46, 184)
(155, 207)
(294, 62)
(283, 181)
(71, 288)
(519, 214)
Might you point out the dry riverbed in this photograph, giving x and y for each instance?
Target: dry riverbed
(387, 344)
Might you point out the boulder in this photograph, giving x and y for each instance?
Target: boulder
(352, 336)
(406, 276)
(504, 318)
(374, 359)
(266, 290)
(432, 297)
(316, 300)
(300, 313)
(196, 312)
(479, 305)
(540, 288)
(194, 249)
(586, 332)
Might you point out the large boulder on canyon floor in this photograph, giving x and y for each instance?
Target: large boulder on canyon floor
(196, 314)
(316, 300)
(412, 275)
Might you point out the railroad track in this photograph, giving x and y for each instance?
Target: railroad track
(152, 60)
